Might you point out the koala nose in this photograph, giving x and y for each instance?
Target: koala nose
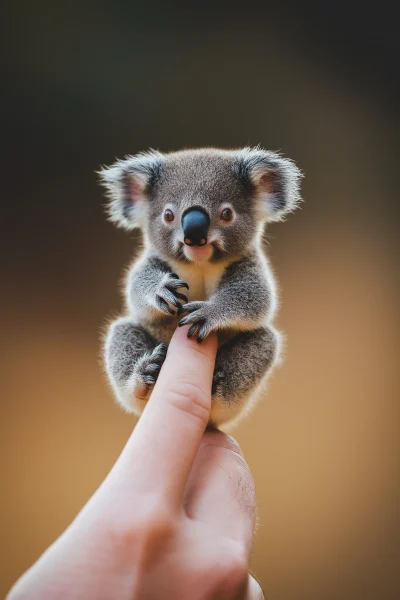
(195, 223)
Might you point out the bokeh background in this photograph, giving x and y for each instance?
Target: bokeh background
(87, 82)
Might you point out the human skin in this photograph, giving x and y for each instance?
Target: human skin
(174, 518)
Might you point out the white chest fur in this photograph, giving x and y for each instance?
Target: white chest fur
(202, 279)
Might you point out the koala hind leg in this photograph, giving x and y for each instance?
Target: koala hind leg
(133, 360)
(242, 364)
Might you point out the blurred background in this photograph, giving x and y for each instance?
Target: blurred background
(86, 82)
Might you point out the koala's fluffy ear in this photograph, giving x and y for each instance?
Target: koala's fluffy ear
(128, 183)
(276, 181)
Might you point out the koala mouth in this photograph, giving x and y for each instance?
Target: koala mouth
(212, 252)
(198, 253)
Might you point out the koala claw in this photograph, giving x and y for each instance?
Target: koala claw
(176, 282)
(198, 318)
(163, 305)
(181, 297)
(150, 367)
(193, 329)
(168, 294)
(190, 307)
(196, 314)
(205, 329)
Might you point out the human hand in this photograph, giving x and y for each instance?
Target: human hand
(174, 518)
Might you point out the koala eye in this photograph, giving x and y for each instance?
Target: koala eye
(226, 215)
(169, 215)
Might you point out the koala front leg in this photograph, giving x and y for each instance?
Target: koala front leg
(153, 290)
(242, 364)
(133, 360)
(243, 301)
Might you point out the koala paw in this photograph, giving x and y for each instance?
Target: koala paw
(199, 318)
(148, 369)
(167, 295)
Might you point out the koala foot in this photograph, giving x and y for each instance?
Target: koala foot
(167, 294)
(147, 370)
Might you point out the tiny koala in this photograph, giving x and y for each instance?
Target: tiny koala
(202, 214)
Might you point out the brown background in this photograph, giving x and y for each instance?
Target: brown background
(92, 81)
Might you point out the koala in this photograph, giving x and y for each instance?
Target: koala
(202, 214)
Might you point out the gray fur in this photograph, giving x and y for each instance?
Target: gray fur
(259, 347)
(240, 287)
(284, 194)
(147, 166)
(232, 292)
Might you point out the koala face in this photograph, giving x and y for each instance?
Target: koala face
(199, 199)
(201, 205)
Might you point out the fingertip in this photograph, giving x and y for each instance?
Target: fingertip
(181, 343)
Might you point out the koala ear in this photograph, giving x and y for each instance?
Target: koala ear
(127, 184)
(276, 181)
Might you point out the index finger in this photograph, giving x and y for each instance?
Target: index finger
(168, 434)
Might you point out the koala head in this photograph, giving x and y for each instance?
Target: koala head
(201, 205)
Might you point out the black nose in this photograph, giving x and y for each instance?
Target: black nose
(195, 223)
